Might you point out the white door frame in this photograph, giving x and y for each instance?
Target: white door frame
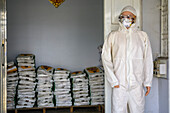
(107, 30)
(108, 27)
(3, 57)
(169, 52)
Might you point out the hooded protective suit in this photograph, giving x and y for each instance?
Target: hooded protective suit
(127, 61)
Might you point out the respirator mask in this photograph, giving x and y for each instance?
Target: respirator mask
(127, 21)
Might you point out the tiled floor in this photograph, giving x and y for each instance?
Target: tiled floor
(76, 110)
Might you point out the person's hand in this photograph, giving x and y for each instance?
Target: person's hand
(117, 86)
(148, 90)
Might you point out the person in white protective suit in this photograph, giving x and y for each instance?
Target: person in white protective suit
(128, 64)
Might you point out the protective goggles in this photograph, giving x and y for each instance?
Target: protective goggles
(128, 17)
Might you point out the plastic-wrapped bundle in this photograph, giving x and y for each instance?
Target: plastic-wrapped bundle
(26, 60)
(62, 87)
(27, 81)
(80, 88)
(12, 81)
(96, 82)
(44, 86)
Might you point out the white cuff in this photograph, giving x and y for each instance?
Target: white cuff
(149, 85)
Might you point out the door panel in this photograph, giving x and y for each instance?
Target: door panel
(164, 28)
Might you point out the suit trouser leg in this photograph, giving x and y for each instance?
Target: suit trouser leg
(134, 98)
(119, 100)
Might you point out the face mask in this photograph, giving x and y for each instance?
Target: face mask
(127, 22)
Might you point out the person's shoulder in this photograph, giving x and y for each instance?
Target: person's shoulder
(111, 36)
(113, 33)
(142, 33)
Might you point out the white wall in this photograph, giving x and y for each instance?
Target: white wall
(151, 25)
(66, 37)
(163, 96)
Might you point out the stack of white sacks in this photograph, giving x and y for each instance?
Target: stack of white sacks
(80, 88)
(26, 84)
(62, 87)
(44, 86)
(12, 81)
(96, 82)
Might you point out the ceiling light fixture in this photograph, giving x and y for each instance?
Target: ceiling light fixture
(56, 3)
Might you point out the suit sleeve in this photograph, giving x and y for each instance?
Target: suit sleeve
(107, 61)
(148, 63)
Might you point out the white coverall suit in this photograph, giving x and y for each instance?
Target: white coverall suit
(127, 61)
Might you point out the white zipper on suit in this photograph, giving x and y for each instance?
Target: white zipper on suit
(128, 65)
(126, 59)
(128, 44)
